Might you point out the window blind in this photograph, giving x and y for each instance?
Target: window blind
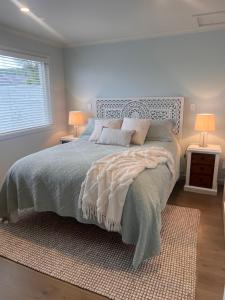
(24, 93)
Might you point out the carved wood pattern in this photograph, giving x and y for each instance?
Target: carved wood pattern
(156, 108)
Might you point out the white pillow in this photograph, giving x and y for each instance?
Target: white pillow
(141, 127)
(119, 137)
(99, 124)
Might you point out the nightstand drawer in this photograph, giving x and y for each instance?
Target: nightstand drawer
(201, 180)
(202, 169)
(199, 158)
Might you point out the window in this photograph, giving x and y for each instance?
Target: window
(24, 93)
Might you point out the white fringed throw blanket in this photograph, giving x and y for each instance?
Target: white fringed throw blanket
(105, 187)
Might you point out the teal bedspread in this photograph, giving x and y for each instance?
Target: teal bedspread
(50, 180)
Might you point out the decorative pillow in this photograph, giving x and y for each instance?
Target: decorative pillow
(99, 124)
(161, 130)
(141, 127)
(119, 137)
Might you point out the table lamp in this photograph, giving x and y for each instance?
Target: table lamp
(77, 119)
(204, 123)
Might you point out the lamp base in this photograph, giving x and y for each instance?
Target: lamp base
(203, 139)
(75, 131)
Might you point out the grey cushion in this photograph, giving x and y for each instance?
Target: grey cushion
(119, 137)
(161, 130)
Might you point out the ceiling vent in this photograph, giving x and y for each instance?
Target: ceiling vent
(210, 19)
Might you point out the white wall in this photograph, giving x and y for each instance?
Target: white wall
(15, 148)
(189, 65)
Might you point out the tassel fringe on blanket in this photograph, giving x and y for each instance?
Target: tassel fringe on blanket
(105, 187)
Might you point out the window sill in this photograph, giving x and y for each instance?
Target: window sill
(19, 133)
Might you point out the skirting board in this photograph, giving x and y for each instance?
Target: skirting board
(200, 190)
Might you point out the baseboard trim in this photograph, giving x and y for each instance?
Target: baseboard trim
(200, 190)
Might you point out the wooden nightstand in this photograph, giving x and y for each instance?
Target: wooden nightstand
(67, 139)
(202, 169)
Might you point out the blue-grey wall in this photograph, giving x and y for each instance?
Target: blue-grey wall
(11, 149)
(189, 65)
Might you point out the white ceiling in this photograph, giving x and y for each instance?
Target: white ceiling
(78, 22)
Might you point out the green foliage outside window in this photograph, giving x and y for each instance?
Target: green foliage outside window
(27, 71)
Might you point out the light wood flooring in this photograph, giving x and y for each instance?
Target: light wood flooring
(20, 283)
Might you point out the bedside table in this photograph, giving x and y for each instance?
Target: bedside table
(202, 169)
(67, 139)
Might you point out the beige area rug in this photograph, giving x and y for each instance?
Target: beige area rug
(96, 260)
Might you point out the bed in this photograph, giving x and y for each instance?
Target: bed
(50, 180)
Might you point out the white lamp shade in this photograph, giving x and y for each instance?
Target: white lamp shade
(205, 122)
(77, 118)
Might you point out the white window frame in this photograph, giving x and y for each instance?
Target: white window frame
(36, 57)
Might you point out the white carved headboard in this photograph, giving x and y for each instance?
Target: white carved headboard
(156, 108)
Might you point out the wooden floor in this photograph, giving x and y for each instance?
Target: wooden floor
(21, 283)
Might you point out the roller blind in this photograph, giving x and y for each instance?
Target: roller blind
(24, 93)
